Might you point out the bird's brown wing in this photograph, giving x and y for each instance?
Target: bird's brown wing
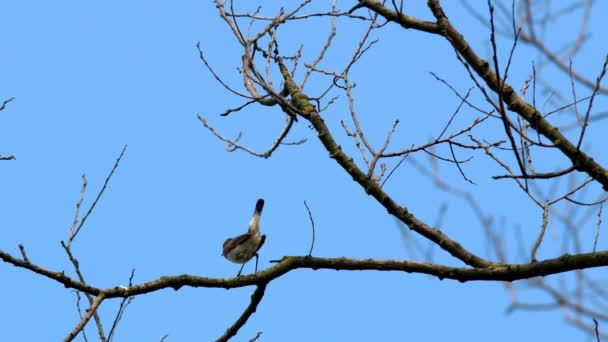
(231, 242)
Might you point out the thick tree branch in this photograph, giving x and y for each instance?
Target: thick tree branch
(580, 160)
(308, 111)
(400, 18)
(495, 272)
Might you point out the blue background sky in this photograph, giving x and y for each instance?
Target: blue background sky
(90, 77)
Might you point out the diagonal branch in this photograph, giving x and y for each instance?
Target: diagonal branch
(580, 160)
(85, 319)
(308, 111)
(256, 298)
(5, 102)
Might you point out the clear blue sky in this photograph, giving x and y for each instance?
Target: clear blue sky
(90, 77)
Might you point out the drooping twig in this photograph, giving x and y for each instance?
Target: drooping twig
(458, 164)
(232, 144)
(216, 76)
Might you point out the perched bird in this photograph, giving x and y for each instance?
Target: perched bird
(242, 248)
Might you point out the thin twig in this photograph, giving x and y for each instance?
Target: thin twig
(321, 54)
(543, 228)
(255, 338)
(121, 308)
(597, 228)
(78, 204)
(462, 101)
(458, 164)
(540, 175)
(395, 168)
(23, 254)
(596, 89)
(312, 224)
(103, 188)
(5, 102)
(597, 330)
(84, 334)
(377, 156)
(217, 77)
(232, 144)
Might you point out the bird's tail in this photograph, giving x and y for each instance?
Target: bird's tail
(254, 224)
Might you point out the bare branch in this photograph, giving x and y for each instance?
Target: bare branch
(233, 144)
(256, 298)
(85, 319)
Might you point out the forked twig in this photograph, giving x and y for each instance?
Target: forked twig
(75, 232)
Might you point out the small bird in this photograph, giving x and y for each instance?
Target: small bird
(242, 248)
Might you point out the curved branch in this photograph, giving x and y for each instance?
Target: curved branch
(232, 144)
